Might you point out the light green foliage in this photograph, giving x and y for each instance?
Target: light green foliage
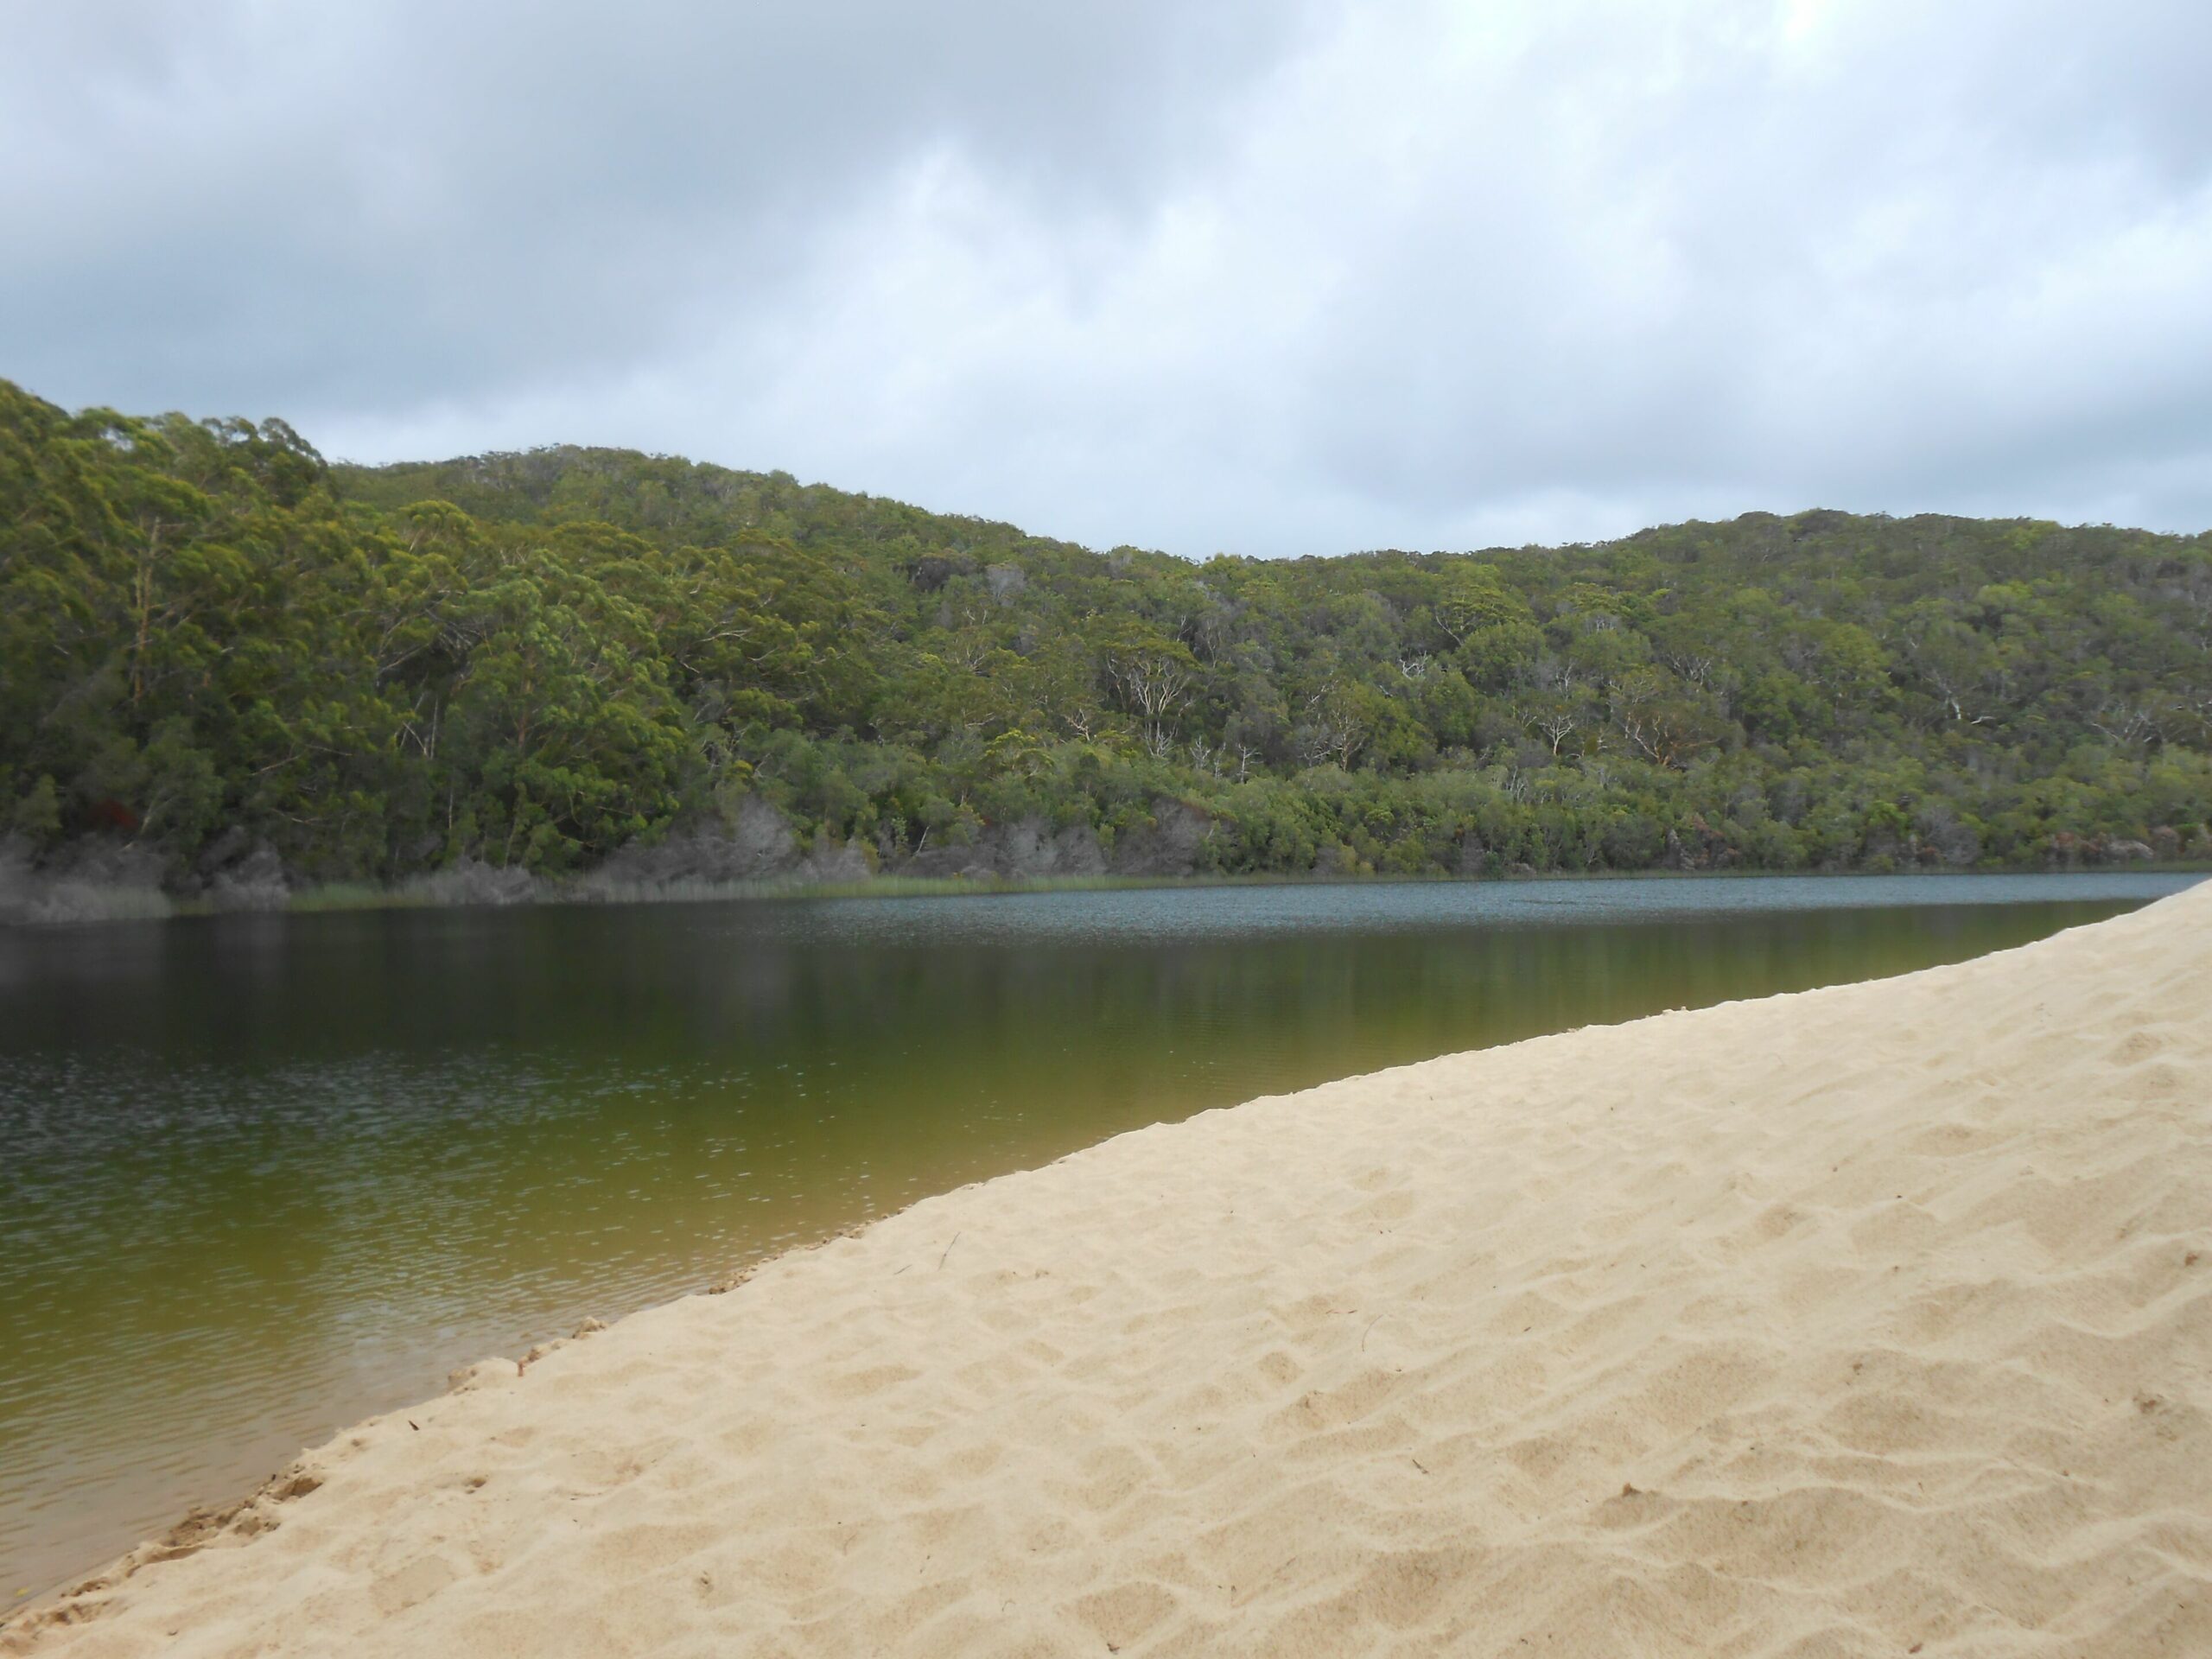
(208, 635)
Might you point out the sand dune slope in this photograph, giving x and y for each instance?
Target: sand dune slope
(1877, 1320)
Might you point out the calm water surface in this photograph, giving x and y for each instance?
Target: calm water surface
(261, 1176)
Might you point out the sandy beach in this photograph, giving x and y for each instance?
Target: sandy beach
(1876, 1320)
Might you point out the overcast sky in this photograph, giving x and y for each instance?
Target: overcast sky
(1204, 275)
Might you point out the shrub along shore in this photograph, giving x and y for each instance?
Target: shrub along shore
(241, 676)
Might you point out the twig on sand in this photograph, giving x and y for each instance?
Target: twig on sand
(948, 1251)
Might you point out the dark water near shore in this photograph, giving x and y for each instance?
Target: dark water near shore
(260, 1176)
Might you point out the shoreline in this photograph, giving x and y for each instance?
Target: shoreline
(862, 1342)
(359, 898)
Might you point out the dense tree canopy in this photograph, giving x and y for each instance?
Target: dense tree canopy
(213, 640)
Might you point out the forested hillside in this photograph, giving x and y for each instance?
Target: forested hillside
(222, 654)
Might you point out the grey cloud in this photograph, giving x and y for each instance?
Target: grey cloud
(1271, 278)
(376, 206)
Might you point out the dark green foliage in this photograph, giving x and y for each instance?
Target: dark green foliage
(211, 638)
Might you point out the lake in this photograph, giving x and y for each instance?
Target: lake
(261, 1176)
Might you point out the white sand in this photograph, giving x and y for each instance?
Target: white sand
(1877, 1320)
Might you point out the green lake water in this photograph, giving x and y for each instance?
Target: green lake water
(263, 1175)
